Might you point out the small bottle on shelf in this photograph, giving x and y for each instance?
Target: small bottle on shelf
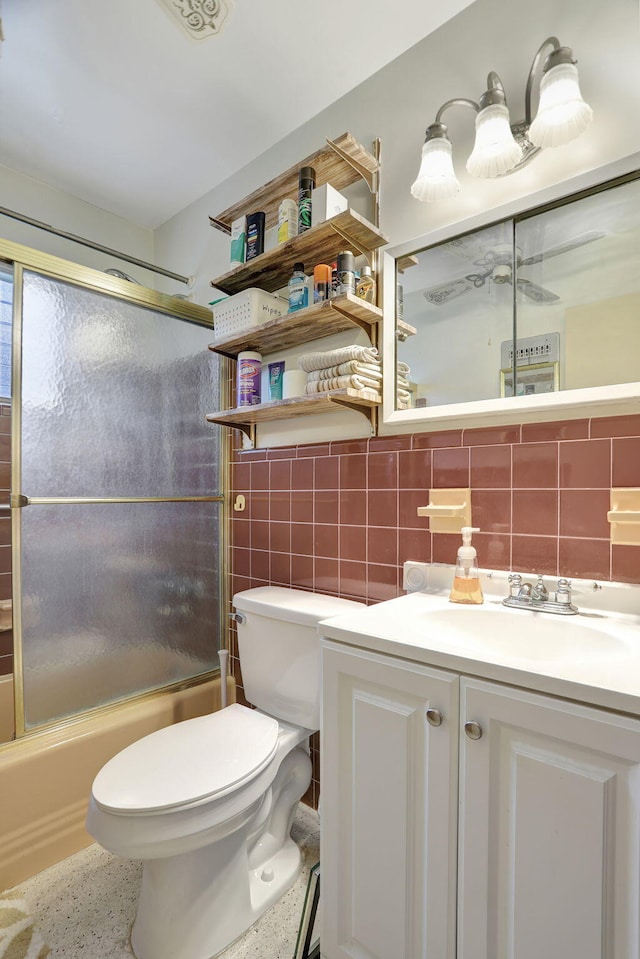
(346, 272)
(306, 184)
(287, 220)
(321, 282)
(366, 285)
(334, 280)
(255, 235)
(298, 288)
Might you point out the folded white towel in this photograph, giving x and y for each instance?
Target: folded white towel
(355, 382)
(322, 361)
(373, 370)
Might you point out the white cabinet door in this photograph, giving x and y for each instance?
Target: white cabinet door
(388, 807)
(549, 862)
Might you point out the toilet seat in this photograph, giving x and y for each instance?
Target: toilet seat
(189, 762)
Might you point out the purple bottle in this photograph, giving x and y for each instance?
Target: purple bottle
(249, 375)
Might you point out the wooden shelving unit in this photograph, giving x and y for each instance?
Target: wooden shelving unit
(245, 418)
(341, 162)
(321, 319)
(271, 270)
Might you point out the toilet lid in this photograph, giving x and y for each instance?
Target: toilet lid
(189, 761)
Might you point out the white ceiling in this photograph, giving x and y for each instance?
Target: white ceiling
(112, 102)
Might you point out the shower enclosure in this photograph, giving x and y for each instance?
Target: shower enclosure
(116, 504)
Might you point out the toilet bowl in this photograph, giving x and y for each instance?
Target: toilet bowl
(207, 804)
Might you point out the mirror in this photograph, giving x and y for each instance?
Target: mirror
(519, 315)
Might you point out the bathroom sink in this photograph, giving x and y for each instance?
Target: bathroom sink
(525, 634)
(592, 656)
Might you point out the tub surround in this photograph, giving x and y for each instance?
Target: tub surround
(46, 777)
(7, 720)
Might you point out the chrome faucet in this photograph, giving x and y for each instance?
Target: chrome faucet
(540, 591)
(535, 596)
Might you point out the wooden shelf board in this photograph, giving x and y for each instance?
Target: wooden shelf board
(271, 270)
(318, 320)
(329, 167)
(362, 400)
(405, 329)
(405, 262)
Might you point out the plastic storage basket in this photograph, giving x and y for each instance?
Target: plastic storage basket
(245, 310)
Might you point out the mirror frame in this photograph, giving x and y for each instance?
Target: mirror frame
(583, 403)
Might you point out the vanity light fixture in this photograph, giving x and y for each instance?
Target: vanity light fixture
(502, 147)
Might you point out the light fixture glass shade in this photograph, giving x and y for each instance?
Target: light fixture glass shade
(436, 178)
(562, 113)
(495, 151)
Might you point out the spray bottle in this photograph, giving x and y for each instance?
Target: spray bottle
(466, 583)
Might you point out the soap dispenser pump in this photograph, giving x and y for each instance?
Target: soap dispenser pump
(466, 582)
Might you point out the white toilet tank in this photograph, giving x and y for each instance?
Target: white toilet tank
(279, 649)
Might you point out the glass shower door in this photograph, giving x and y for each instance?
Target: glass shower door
(118, 478)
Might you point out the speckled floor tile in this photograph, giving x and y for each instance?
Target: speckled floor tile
(84, 906)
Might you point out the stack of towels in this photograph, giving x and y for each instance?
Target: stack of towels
(354, 367)
(351, 367)
(403, 393)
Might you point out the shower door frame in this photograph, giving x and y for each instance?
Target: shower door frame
(20, 258)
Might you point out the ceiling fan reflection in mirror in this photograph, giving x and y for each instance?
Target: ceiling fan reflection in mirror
(496, 266)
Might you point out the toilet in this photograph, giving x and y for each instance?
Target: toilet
(207, 804)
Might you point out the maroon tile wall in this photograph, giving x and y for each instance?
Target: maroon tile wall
(341, 518)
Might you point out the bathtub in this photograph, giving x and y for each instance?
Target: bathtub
(7, 722)
(45, 778)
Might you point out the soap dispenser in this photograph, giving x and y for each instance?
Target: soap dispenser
(466, 583)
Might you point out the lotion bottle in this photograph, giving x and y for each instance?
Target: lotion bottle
(466, 582)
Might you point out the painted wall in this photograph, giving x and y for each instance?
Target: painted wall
(41, 202)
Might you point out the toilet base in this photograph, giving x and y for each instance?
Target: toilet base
(269, 883)
(194, 905)
(198, 932)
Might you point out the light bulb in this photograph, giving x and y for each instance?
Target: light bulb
(495, 151)
(436, 179)
(562, 113)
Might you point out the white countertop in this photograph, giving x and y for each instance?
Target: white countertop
(593, 657)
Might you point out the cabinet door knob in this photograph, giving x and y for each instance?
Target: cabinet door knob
(434, 717)
(473, 730)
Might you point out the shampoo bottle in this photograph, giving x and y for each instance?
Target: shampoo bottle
(466, 582)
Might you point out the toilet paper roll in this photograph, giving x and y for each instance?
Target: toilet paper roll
(293, 383)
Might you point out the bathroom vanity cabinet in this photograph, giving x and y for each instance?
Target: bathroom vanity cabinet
(469, 819)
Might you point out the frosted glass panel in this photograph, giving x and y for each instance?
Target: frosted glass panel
(114, 397)
(117, 599)
(6, 306)
(120, 598)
